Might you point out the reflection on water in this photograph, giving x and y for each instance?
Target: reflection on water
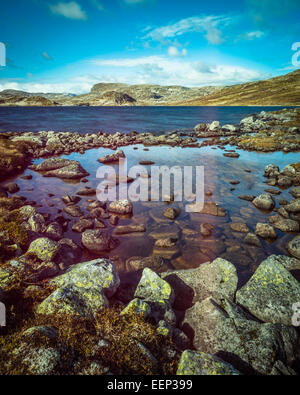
(191, 248)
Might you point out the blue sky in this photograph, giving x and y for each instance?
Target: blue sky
(67, 46)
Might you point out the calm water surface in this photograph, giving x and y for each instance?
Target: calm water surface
(191, 249)
(122, 119)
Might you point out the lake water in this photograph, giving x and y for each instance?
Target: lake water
(122, 119)
(191, 248)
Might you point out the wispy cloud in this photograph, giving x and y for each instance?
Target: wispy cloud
(71, 10)
(98, 5)
(210, 26)
(250, 36)
(46, 56)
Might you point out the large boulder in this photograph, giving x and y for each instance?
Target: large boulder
(251, 347)
(74, 301)
(271, 292)
(61, 168)
(44, 249)
(202, 364)
(217, 279)
(99, 274)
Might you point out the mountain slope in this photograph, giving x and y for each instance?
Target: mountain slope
(283, 90)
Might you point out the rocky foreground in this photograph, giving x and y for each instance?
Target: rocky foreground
(68, 316)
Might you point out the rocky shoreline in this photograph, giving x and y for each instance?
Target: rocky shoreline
(195, 321)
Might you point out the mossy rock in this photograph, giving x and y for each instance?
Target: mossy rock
(152, 288)
(99, 274)
(202, 364)
(44, 249)
(73, 301)
(138, 307)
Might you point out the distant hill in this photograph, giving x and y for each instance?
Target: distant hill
(283, 90)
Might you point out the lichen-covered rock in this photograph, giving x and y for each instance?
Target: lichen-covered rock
(270, 292)
(98, 241)
(293, 247)
(99, 274)
(72, 300)
(138, 307)
(217, 279)
(264, 201)
(228, 332)
(202, 364)
(44, 248)
(152, 288)
(44, 360)
(121, 207)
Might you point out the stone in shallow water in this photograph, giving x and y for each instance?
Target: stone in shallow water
(98, 241)
(293, 247)
(171, 213)
(239, 227)
(295, 192)
(112, 157)
(137, 263)
(73, 210)
(287, 225)
(252, 239)
(265, 231)
(127, 229)
(264, 202)
(293, 206)
(121, 207)
(82, 224)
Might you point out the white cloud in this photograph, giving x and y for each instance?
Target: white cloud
(161, 70)
(71, 10)
(177, 71)
(174, 51)
(208, 25)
